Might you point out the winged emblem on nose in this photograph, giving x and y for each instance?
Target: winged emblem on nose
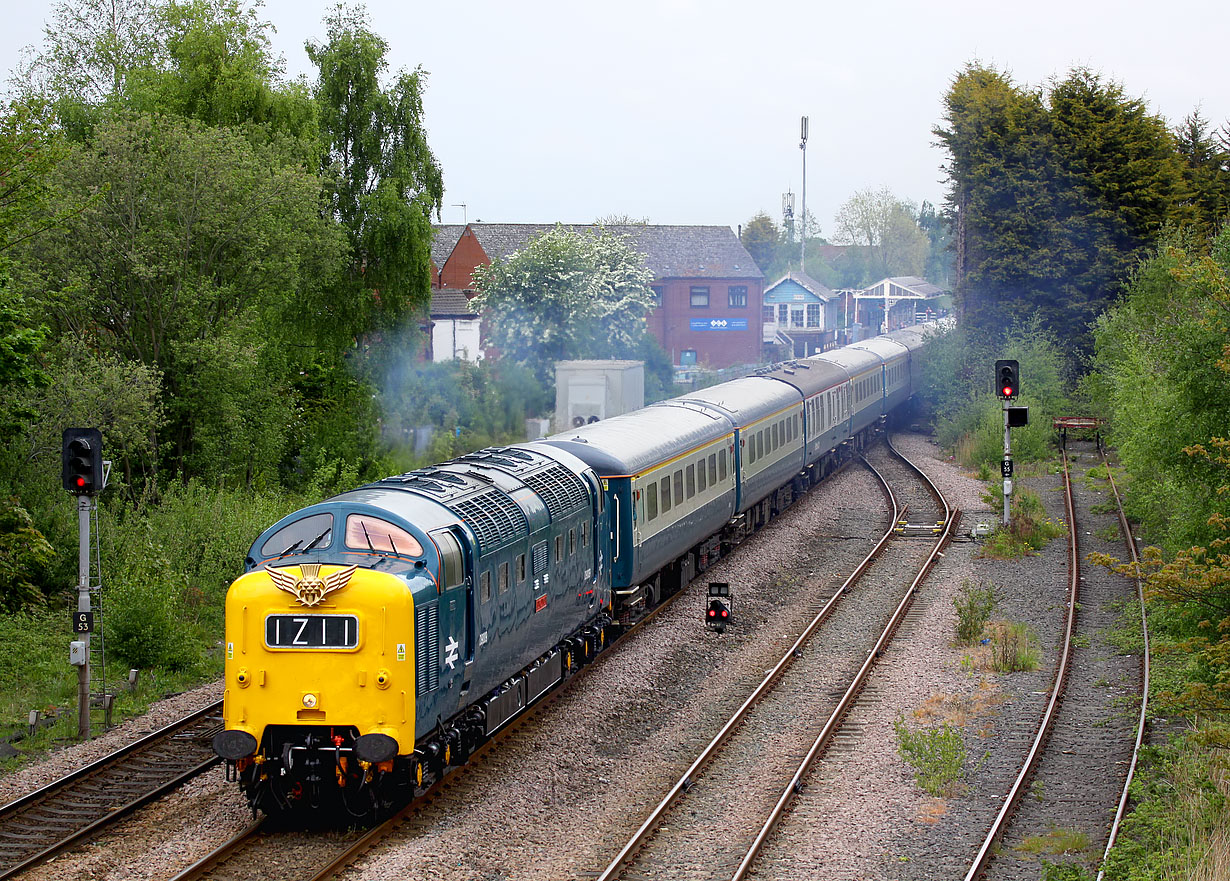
(308, 587)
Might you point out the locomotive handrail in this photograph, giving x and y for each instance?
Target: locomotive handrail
(685, 782)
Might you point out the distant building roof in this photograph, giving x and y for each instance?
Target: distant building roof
(444, 240)
(788, 285)
(670, 251)
(449, 303)
(905, 287)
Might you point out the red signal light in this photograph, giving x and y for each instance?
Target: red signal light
(80, 481)
(1007, 393)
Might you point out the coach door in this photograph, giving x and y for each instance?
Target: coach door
(456, 609)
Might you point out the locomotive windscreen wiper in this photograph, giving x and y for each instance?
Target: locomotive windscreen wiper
(317, 539)
(290, 549)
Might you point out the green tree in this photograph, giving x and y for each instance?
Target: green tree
(204, 257)
(1205, 155)
(382, 181)
(762, 238)
(887, 230)
(1054, 193)
(566, 295)
(216, 65)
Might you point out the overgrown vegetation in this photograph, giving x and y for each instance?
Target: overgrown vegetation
(937, 756)
(1013, 648)
(974, 604)
(1028, 530)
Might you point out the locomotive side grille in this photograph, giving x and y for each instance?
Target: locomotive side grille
(495, 518)
(540, 558)
(427, 648)
(560, 489)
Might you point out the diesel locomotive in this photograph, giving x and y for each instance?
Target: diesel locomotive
(379, 637)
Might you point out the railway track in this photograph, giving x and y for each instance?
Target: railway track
(74, 808)
(1080, 743)
(771, 741)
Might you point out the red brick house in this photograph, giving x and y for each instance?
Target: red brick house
(709, 290)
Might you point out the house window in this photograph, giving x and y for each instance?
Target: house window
(813, 314)
(767, 313)
(736, 297)
(657, 294)
(783, 313)
(796, 317)
(700, 298)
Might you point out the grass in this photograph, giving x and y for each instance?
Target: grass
(974, 605)
(1029, 528)
(1055, 842)
(1013, 648)
(1109, 533)
(937, 756)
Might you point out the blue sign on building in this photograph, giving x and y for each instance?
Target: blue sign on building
(698, 324)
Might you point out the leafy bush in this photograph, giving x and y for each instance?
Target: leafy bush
(1029, 528)
(937, 755)
(974, 605)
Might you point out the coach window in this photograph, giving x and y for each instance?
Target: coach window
(760, 444)
(700, 297)
(665, 488)
(736, 297)
(721, 465)
(484, 586)
(520, 568)
(700, 475)
(690, 480)
(776, 435)
(713, 478)
(503, 578)
(651, 503)
(751, 449)
(677, 479)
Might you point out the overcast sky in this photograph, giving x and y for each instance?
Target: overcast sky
(683, 111)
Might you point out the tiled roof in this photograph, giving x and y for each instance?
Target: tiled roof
(805, 281)
(443, 242)
(449, 302)
(670, 251)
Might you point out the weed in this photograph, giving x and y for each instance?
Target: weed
(1065, 872)
(1028, 530)
(937, 756)
(974, 605)
(1012, 648)
(1080, 641)
(1055, 842)
(1108, 533)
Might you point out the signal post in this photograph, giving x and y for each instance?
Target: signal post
(81, 474)
(1008, 386)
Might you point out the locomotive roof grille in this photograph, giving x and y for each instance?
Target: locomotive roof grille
(495, 518)
(561, 490)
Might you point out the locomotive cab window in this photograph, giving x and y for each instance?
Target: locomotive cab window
(502, 585)
(520, 568)
(367, 533)
(452, 563)
(301, 536)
